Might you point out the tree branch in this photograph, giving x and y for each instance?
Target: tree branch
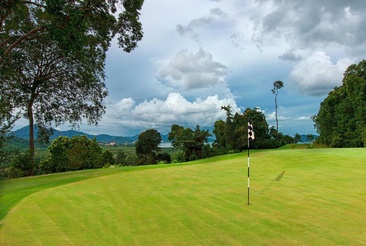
(33, 3)
(12, 46)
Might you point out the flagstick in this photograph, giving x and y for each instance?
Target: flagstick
(250, 137)
(248, 172)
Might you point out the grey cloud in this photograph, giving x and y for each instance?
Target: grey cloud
(218, 12)
(289, 55)
(190, 29)
(317, 23)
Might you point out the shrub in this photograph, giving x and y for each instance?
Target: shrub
(13, 172)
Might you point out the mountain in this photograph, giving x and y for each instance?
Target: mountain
(103, 138)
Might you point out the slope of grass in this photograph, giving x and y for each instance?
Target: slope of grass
(320, 200)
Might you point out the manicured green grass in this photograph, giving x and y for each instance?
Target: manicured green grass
(320, 200)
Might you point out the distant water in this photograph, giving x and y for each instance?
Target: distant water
(169, 145)
(165, 145)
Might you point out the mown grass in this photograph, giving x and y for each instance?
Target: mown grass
(319, 201)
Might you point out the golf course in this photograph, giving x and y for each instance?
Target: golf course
(297, 197)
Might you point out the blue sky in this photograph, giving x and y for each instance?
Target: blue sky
(198, 55)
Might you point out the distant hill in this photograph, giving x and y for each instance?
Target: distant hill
(102, 138)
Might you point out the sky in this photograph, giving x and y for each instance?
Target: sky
(199, 55)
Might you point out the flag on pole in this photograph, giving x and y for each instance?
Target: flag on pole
(250, 138)
(250, 131)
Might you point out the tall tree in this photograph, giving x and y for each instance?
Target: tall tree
(341, 120)
(230, 127)
(276, 86)
(69, 23)
(297, 138)
(220, 136)
(52, 56)
(49, 87)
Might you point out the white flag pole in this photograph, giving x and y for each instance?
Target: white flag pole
(250, 137)
(248, 170)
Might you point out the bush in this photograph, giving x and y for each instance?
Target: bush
(45, 167)
(13, 172)
(121, 158)
(178, 157)
(23, 162)
(131, 160)
(163, 157)
(107, 158)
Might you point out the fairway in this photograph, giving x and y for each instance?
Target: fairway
(320, 200)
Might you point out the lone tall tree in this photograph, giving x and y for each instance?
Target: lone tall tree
(276, 86)
(48, 87)
(52, 56)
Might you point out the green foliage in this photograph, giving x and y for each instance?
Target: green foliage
(107, 158)
(297, 138)
(121, 158)
(23, 161)
(341, 119)
(13, 172)
(58, 154)
(45, 167)
(76, 153)
(164, 157)
(73, 25)
(178, 157)
(131, 160)
(193, 144)
(147, 146)
(231, 135)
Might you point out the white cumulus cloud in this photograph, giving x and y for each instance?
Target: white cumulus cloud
(189, 71)
(162, 114)
(317, 74)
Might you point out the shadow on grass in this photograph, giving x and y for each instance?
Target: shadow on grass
(278, 179)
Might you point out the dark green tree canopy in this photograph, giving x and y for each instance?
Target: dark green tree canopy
(147, 146)
(70, 23)
(341, 120)
(231, 135)
(192, 143)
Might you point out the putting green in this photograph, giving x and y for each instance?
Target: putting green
(320, 200)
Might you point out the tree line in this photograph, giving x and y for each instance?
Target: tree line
(231, 136)
(80, 153)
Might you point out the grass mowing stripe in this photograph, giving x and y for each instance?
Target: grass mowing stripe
(13, 191)
(319, 201)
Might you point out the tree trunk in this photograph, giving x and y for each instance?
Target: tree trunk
(276, 116)
(31, 136)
